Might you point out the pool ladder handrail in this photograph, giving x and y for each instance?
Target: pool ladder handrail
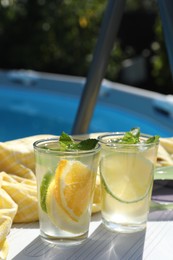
(108, 32)
(109, 29)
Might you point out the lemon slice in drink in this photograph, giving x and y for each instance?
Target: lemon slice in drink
(126, 176)
(69, 195)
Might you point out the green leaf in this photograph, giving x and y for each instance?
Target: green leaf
(135, 132)
(133, 137)
(87, 144)
(67, 143)
(65, 138)
(153, 139)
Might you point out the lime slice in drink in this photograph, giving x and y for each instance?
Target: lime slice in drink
(43, 190)
(126, 176)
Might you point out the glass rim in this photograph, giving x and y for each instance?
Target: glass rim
(116, 134)
(63, 152)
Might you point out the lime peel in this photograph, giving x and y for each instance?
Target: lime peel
(43, 190)
(109, 178)
(119, 199)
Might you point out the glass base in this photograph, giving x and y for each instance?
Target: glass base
(124, 228)
(64, 241)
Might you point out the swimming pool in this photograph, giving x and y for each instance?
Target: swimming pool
(38, 103)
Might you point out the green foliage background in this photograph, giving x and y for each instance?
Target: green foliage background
(59, 36)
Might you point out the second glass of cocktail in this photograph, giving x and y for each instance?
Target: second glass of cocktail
(127, 171)
(66, 172)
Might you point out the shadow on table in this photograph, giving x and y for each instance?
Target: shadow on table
(102, 244)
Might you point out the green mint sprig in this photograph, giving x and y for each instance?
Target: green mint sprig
(153, 139)
(67, 143)
(133, 137)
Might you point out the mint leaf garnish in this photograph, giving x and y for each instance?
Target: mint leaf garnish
(65, 138)
(87, 144)
(133, 137)
(67, 143)
(153, 139)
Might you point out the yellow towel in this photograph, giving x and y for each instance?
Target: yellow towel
(165, 152)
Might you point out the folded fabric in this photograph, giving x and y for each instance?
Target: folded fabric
(167, 143)
(165, 152)
(8, 209)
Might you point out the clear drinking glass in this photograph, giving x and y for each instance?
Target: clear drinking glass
(127, 172)
(66, 182)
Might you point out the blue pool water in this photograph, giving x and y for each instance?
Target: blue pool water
(29, 111)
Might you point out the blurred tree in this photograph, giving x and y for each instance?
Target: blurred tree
(160, 69)
(141, 43)
(56, 36)
(59, 36)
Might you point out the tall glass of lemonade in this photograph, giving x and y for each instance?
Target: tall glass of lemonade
(127, 171)
(66, 172)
